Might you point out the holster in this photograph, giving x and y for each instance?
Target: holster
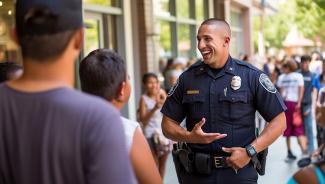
(260, 162)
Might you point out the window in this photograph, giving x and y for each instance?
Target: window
(178, 24)
(236, 46)
(113, 3)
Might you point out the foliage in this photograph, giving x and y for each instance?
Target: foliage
(310, 18)
(307, 15)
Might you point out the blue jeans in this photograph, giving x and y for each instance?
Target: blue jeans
(308, 126)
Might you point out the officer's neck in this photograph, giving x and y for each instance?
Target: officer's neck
(219, 62)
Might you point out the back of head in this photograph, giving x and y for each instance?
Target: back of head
(7, 70)
(101, 73)
(305, 58)
(45, 27)
(291, 65)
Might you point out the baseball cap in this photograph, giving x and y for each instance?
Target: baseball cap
(37, 17)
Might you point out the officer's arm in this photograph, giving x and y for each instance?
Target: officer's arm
(172, 130)
(271, 132)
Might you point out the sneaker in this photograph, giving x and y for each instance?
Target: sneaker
(291, 156)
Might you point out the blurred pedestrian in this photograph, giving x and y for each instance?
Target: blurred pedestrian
(10, 71)
(150, 116)
(103, 73)
(51, 133)
(291, 84)
(307, 100)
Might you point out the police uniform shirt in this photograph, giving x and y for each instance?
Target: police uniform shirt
(227, 98)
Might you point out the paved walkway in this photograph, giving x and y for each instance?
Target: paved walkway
(277, 170)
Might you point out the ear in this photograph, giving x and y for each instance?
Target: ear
(227, 41)
(79, 37)
(121, 91)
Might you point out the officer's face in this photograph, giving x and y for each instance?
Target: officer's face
(212, 43)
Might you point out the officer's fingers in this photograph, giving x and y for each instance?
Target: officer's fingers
(210, 137)
(228, 150)
(199, 124)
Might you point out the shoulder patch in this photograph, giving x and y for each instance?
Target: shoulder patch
(172, 90)
(267, 83)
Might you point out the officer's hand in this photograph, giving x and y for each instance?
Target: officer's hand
(198, 136)
(239, 157)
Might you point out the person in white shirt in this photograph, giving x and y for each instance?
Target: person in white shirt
(291, 86)
(103, 73)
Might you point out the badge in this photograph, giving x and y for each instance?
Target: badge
(172, 90)
(235, 82)
(267, 83)
(225, 91)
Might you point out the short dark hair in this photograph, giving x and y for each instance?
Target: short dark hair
(214, 21)
(101, 73)
(148, 75)
(6, 69)
(46, 46)
(305, 58)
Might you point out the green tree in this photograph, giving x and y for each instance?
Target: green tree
(310, 18)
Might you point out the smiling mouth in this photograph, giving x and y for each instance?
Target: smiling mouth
(206, 54)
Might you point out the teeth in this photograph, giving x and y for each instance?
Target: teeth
(205, 52)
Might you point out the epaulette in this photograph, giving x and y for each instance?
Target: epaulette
(243, 63)
(196, 64)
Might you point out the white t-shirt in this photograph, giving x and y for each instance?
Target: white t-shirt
(290, 83)
(129, 129)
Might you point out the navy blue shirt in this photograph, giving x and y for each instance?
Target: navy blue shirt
(227, 99)
(309, 78)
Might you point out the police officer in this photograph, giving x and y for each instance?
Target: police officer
(219, 97)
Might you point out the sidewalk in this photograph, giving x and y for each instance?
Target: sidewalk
(277, 170)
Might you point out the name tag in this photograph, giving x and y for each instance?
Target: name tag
(192, 92)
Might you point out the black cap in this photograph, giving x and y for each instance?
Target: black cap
(36, 17)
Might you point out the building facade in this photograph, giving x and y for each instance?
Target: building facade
(143, 31)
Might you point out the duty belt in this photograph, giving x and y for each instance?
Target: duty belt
(219, 162)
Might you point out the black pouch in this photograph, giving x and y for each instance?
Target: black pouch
(187, 160)
(261, 157)
(203, 163)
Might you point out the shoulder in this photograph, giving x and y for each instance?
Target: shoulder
(90, 107)
(244, 65)
(127, 123)
(306, 175)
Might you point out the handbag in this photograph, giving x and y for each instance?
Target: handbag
(297, 120)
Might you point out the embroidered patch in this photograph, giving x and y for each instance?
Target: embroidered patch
(172, 90)
(267, 83)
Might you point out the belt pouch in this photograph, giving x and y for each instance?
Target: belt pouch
(187, 160)
(203, 163)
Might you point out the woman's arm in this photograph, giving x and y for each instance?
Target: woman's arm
(143, 163)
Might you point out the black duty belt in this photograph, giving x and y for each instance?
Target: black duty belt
(219, 162)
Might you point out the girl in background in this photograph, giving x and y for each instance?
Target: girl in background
(150, 116)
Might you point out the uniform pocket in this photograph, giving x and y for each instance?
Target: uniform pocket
(235, 105)
(195, 107)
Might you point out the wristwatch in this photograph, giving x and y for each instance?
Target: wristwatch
(251, 152)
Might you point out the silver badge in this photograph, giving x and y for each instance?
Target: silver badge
(267, 83)
(172, 90)
(235, 82)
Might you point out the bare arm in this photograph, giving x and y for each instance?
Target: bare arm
(239, 157)
(143, 163)
(144, 114)
(300, 96)
(272, 131)
(172, 130)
